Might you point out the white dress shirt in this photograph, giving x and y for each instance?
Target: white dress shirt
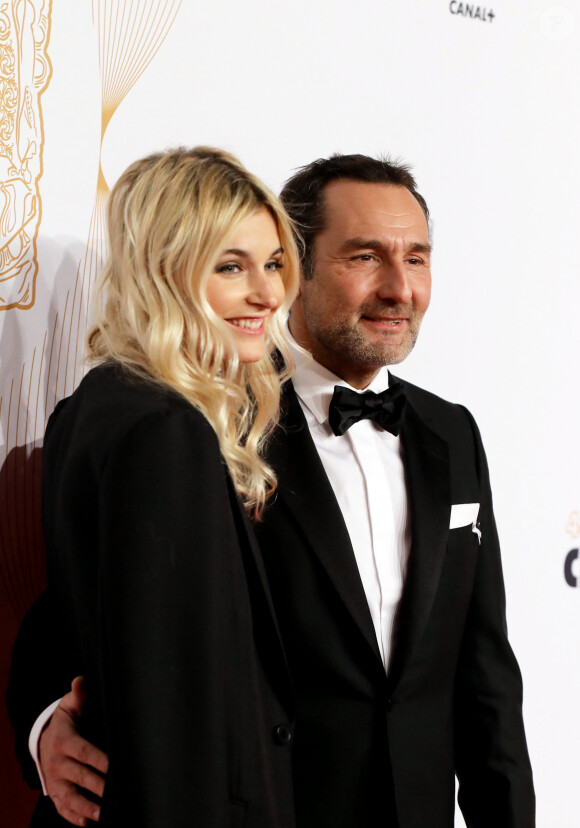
(365, 469)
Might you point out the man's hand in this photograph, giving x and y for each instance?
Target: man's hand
(68, 760)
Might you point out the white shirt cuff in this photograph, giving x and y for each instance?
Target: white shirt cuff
(34, 738)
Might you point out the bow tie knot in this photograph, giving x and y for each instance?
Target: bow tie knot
(370, 405)
(348, 407)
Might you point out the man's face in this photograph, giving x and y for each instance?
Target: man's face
(371, 285)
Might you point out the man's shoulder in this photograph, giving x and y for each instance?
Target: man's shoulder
(427, 400)
(449, 419)
(451, 422)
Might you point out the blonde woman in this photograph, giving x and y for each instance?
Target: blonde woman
(153, 472)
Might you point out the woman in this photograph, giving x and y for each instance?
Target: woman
(151, 470)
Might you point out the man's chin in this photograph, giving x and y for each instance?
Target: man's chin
(391, 355)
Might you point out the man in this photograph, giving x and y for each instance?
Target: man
(380, 546)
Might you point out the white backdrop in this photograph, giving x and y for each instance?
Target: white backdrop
(486, 110)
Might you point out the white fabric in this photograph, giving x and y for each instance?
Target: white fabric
(462, 514)
(34, 738)
(365, 469)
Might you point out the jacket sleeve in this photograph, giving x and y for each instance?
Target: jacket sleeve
(43, 665)
(492, 762)
(166, 541)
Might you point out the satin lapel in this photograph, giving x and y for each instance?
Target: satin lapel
(305, 491)
(426, 460)
(256, 574)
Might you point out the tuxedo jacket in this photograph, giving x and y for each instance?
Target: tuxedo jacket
(156, 576)
(382, 748)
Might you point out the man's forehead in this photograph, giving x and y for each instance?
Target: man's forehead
(360, 207)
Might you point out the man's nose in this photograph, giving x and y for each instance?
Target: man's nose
(394, 283)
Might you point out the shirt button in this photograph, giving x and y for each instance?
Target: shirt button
(282, 734)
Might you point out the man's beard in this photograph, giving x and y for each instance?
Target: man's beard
(353, 346)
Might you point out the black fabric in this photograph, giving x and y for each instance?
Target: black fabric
(155, 575)
(348, 407)
(370, 747)
(376, 747)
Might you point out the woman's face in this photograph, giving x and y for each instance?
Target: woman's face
(246, 286)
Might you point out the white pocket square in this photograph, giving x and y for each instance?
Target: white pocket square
(465, 514)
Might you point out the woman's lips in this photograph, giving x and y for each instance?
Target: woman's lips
(252, 325)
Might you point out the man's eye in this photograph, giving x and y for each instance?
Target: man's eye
(229, 268)
(415, 261)
(365, 257)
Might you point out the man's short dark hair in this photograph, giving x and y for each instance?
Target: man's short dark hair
(303, 193)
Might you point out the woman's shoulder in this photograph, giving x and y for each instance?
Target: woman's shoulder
(111, 399)
(113, 384)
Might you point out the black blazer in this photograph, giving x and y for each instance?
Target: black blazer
(374, 748)
(156, 573)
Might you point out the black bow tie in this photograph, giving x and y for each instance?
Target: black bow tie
(347, 407)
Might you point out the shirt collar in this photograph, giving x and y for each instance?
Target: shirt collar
(314, 384)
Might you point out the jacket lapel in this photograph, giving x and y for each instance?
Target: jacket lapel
(426, 461)
(305, 491)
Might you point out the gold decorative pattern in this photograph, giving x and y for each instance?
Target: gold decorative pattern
(24, 75)
(130, 32)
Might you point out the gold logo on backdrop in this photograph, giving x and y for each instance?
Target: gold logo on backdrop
(129, 35)
(24, 74)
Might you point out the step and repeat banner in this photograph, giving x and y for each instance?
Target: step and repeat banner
(481, 101)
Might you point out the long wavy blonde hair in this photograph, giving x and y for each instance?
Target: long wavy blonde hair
(168, 217)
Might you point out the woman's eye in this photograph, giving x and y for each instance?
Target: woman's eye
(229, 269)
(274, 265)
